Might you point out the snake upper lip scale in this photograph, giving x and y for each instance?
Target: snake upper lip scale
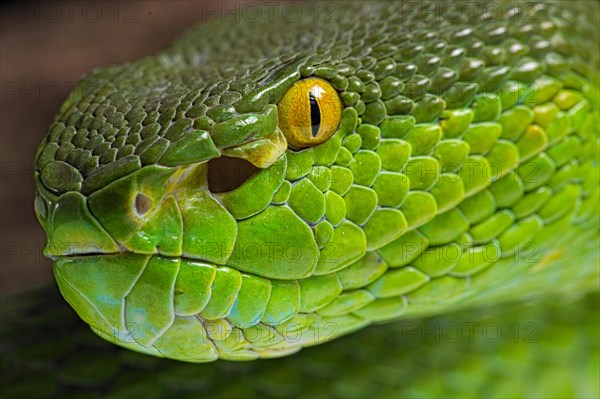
(314, 177)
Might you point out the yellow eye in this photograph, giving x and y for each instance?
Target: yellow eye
(309, 113)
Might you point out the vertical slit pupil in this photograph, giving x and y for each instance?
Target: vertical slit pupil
(315, 114)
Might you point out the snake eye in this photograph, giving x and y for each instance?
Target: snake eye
(309, 113)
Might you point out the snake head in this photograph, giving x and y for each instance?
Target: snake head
(177, 209)
(207, 202)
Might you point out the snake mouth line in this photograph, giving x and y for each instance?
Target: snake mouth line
(146, 257)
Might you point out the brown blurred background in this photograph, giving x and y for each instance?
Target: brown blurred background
(44, 49)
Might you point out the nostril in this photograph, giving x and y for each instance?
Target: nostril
(227, 173)
(143, 203)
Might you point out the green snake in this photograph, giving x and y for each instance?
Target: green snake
(260, 187)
